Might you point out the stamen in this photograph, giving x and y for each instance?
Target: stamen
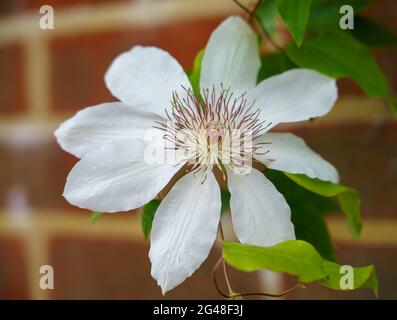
(214, 128)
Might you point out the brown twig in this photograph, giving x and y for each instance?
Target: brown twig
(232, 295)
(216, 267)
(225, 266)
(253, 12)
(270, 295)
(243, 7)
(253, 17)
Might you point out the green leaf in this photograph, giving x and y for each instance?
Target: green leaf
(372, 33)
(267, 15)
(194, 76)
(147, 216)
(273, 64)
(295, 15)
(307, 213)
(350, 202)
(310, 226)
(364, 277)
(324, 188)
(95, 216)
(297, 258)
(338, 54)
(349, 199)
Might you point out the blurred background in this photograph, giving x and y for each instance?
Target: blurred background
(47, 75)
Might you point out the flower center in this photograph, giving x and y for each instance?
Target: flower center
(214, 128)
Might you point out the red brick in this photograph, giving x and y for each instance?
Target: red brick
(34, 174)
(6, 176)
(13, 271)
(115, 269)
(383, 11)
(19, 6)
(12, 94)
(388, 61)
(80, 62)
(347, 86)
(10, 6)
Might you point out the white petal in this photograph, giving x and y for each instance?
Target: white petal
(146, 77)
(116, 178)
(294, 95)
(289, 153)
(231, 57)
(184, 229)
(260, 214)
(94, 126)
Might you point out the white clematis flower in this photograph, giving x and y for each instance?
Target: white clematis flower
(113, 174)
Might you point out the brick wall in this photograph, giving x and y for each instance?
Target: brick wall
(46, 76)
